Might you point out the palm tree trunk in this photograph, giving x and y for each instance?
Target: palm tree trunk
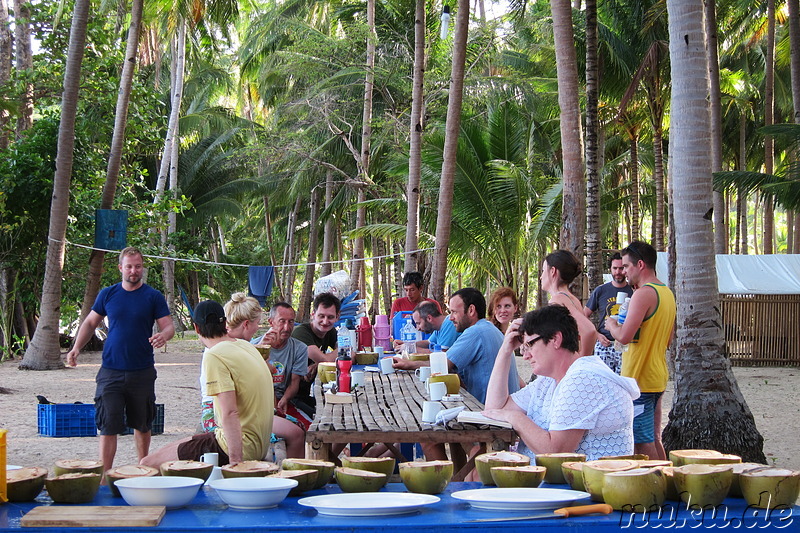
(793, 22)
(415, 144)
(715, 96)
(313, 238)
(176, 89)
(594, 245)
(327, 235)
(769, 143)
(634, 178)
(357, 270)
(44, 352)
(452, 129)
(22, 44)
(709, 410)
(115, 153)
(5, 67)
(573, 212)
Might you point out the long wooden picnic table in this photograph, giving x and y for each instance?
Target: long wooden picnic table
(388, 410)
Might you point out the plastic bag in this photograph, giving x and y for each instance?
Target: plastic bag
(337, 283)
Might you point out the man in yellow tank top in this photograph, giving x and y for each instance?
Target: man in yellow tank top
(648, 331)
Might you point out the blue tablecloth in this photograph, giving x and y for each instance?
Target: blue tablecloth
(208, 513)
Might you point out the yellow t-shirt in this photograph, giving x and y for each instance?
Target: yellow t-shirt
(646, 360)
(237, 366)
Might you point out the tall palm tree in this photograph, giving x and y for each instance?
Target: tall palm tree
(115, 154)
(708, 411)
(436, 287)
(44, 352)
(573, 221)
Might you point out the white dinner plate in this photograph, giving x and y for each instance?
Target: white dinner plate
(519, 499)
(368, 503)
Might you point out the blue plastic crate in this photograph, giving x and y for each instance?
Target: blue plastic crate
(158, 422)
(66, 420)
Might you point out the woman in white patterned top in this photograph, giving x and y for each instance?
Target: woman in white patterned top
(576, 405)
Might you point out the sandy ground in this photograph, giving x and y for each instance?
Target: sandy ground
(771, 393)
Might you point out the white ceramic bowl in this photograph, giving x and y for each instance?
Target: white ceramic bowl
(253, 492)
(171, 491)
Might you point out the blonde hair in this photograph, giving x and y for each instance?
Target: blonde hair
(242, 307)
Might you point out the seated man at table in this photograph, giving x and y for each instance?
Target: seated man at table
(320, 337)
(472, 355)
(412, 285)
(575, 405)
(241, 385)
(431, 321)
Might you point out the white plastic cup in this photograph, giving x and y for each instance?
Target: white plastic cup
(379, 350)
(436, 390)
(386, 365)
(438, 363)
(423, 373)
(211, 458)
(621, 297)
(429, 411)
(357, 378)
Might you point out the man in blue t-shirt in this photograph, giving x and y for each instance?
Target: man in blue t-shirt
(603, 301)
(126, 380)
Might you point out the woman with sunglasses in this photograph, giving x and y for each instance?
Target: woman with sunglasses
(576, 404)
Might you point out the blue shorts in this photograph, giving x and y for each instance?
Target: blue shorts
(644, 422)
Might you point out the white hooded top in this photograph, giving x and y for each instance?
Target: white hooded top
(590, 396)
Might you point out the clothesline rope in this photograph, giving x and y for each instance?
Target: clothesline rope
(215, 263)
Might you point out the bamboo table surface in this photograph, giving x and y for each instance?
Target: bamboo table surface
(388, 410)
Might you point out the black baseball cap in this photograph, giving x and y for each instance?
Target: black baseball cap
(208, 312)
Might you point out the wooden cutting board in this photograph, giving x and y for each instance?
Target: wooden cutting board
(93, 516)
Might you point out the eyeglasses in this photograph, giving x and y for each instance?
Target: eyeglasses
(528, 345)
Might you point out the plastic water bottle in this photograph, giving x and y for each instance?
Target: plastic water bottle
(409, 337)
(343, 338)
(623, 311)
(622, 314)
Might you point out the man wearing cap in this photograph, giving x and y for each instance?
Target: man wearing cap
(241, 385)
(125, 393)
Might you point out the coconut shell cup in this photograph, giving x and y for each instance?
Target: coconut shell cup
(195, 469)
(637, 490)
(73, 488)
(573, 473)
(485, 462)
(126, 472)
(325, 469)
(356, 480)
(426, 477)
(595, 471)
(529, 476)
(768, 488)
(25, 484)
(306, 479)
(553, 461)
(77, 466)
(738, 469)
(381, 465)
(249, 469)
(701, 485)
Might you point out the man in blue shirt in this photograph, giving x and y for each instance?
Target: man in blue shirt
(127, 375)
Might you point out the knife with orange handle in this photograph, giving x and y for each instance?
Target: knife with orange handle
(564, 512)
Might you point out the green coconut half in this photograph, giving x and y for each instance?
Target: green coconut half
(125, 472)
(426, 477)
(485, 462)
(80, 466)
(73, 488)
(25, 484)
(325, 469)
